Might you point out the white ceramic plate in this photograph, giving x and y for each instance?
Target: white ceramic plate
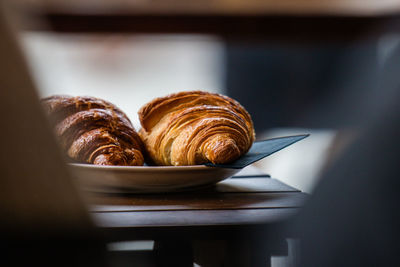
(146, 179)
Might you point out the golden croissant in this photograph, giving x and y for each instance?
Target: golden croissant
(94, 131)
(191, 128)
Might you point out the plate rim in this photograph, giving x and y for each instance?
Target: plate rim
(144, 168)
(161, 184)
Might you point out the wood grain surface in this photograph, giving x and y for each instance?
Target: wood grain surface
(235, 201)
(294, 21)
(221, 7)
(242, 193)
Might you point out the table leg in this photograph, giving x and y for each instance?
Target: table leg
(177, 253)
(209, 253)
(231, 253)
(245, 252)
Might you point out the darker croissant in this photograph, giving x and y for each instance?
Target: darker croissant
(191, 128)
(95, 131)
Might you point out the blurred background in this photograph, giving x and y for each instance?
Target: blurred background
(270, 81)
(288, 88)
(128, 70)
(329, 73)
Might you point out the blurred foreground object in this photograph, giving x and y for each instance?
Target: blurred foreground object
(352, 218)
(42, 218)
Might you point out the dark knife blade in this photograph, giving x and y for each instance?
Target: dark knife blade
(260, 150)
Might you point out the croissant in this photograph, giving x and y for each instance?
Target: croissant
(92, 130)
(191, 128)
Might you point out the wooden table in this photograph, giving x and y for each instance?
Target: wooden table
(239, 214)
(286, 20)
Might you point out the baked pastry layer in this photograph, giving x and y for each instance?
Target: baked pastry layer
(195, 127)
(92, 130)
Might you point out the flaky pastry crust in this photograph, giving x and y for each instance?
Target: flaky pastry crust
(91, 130)
(195, 127)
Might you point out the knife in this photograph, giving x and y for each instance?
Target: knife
(260, 150)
